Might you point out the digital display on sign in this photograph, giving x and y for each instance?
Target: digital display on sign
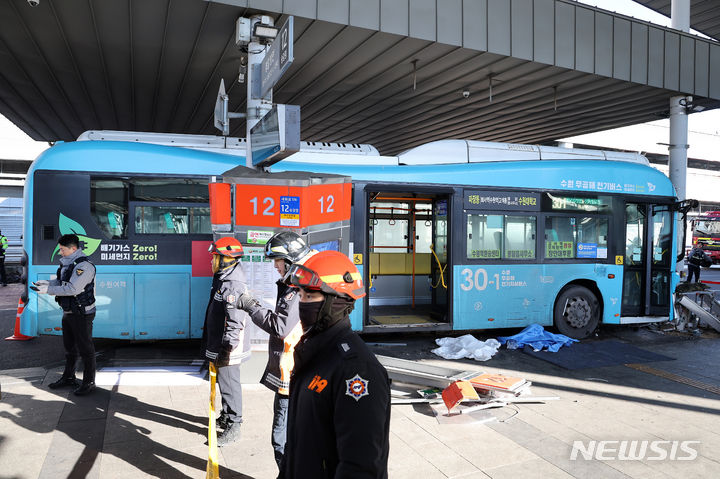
(578, 203)
(501, 200)
(276, 135)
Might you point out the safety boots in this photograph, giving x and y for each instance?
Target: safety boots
(65, 381)
(85, 388)
(229, 435)
(222, 420)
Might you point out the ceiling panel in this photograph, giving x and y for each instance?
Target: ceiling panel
(137, 65)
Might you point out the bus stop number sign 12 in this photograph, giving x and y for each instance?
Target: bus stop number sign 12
(296, 206)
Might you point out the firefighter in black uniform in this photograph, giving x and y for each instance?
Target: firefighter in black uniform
(226, 343)
(283, 326)
(339, 413)
(74, 290)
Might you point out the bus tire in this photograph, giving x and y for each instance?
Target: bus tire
(577, 312)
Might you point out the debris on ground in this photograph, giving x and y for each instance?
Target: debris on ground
(466, 346)
(537, 338)
(462, 392)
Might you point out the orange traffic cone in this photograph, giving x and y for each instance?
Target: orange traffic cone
(16, 334)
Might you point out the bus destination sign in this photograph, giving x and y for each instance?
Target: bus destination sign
(501, 200)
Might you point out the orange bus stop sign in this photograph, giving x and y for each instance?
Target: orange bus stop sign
(292, 206)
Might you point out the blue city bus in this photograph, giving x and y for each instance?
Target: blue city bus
(454, 235)
(141, 212)
(469, 235)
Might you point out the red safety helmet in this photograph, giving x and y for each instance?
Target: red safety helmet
(330, 272)
(227, 246)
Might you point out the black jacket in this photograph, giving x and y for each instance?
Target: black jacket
(339, 412)
(698, 257)
(283, 326)
(224, 323)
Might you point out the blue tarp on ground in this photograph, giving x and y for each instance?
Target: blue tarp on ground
(536, 337)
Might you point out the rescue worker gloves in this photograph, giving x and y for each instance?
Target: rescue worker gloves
(41, 288)
(247, 302)
(330, 272)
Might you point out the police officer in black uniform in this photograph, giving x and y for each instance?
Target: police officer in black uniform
(339, 413)
(283, 326)
(74, 291)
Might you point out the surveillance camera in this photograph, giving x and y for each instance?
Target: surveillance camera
(466, 93)
(33, 3)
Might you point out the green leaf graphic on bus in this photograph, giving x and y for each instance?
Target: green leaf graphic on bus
(69, 226)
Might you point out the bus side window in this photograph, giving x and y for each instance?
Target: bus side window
(559, 237)
(109, 206)
(519, 237)
(484, 236)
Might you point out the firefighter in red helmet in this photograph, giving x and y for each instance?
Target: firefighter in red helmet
(339, 412)
(224, 336)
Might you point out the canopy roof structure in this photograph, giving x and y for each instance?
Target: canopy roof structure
(704, 14)
(392, 73)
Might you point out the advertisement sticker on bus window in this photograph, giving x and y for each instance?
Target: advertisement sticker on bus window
(442, 208)
(258, 236)
(501, 200)
(558, 249)
(587, 250)
(289, 211)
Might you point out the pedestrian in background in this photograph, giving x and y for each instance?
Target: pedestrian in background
(74, 291)
(283, 326)
(339, 412)
(225, 338)
(696, 258)
(3, 250)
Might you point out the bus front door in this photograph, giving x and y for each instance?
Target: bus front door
(438, 263)
(647, 262)
(408, 255)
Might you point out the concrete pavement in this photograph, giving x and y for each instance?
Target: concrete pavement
(152, 421)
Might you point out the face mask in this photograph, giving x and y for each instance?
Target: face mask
(309, 313)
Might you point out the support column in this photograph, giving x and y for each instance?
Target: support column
(679, 20)
(680, 15)
(678, 145)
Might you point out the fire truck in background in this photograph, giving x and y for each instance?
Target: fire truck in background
(706, 228)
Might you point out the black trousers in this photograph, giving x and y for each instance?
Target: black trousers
(230, 392)
(3, 276)
(693, 270)
(77, 340)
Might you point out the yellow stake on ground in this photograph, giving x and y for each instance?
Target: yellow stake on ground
(212, 464)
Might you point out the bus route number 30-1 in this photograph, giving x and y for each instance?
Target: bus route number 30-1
(327, 204)
(478, 280)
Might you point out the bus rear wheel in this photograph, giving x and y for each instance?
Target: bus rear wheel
(577, 312)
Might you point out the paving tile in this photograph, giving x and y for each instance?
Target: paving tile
(404, 462)
(489, 449)
(534, 468)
